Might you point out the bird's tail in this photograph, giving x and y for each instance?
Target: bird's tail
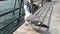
(43, 25)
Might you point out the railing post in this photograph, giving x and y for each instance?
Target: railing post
(20, 12)
(19, 1)
(14, 6)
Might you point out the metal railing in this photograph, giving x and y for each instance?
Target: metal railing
(13, 11)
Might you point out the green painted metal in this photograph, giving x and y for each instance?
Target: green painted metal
(10, 27)
(13, 25)
(5, 7)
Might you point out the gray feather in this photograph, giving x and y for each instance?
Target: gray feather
(33, 19)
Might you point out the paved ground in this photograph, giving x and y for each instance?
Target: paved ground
(55, 18)
(51, 17)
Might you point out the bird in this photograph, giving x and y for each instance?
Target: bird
(32, 19)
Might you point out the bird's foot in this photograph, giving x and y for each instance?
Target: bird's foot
(29, 28)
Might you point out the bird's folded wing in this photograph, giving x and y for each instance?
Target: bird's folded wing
(32, 19)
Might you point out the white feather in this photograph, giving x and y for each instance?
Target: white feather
(27, 13)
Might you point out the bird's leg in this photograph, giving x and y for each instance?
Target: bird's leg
(29, 26)
(26, 20)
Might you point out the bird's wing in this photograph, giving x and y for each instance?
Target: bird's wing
(32, 19)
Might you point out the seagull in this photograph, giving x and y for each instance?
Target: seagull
(32, 19)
